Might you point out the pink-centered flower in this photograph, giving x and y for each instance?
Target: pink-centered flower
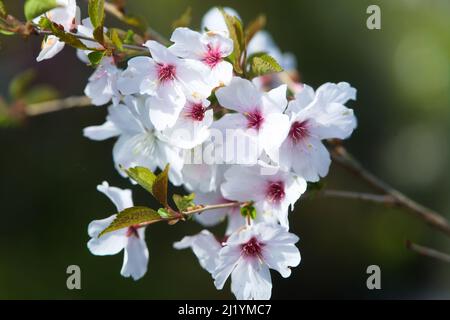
(272, 193)
(316, 116)
(168, 80)
(247, 256)
(131, 239)
(259, 114)
(210, 48)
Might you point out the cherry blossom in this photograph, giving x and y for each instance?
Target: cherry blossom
(139, 144)
(67, 15)
(131, 240)
(247, 256)
(205, 246)
(272, 194)
(210, 48)
(213, 20)
(192, 126)
(167, 79)
(315, 117)
(258, 113)
(102, 85)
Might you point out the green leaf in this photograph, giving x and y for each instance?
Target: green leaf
(155, 184)
(236, 32)
(164, 213)
(254, 26)
(63, 36)
(184, 202)
(3, 12)
(116, 39)
(35, 8)
(96, 9)
(248, 211)
(262, 63)
(6, 32)
(184, 20)
(129, 38)
(143, 176)
(40, 93)
(95, 57)
(160, 186)
(131, 217)
(20, 84)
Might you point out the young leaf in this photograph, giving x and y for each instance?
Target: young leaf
(95, 57)
(248, 211)
(155, 184)
(184, 202)
(164, 213)
(3, 11)
(255, 26)
(35, 8)
(116, 39)
(262, 63)
(131, 217)
(96, 9)
(143, 176)
(129, 38)
(63, 36)
(160, 186)
(236, 32)
(184, 20)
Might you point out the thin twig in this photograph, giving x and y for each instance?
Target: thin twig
(81, 37)
(370, 197)
(115, 12)
(185, 214)
(432, 218)
(428, 252)
(57, 105)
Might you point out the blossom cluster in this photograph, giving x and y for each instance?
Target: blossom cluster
(168, 104)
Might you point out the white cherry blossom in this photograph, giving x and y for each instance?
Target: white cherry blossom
(210, 48)
(192, 126)
(102, 85)
(67, 15)
(131, 240)
(205, 246)
(315, 117)
(259, 113)
(139, 144)
(213, 20)
(167, 79)
(247, 256)
(272, 193)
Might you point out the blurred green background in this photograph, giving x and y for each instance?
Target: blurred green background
(49, 172)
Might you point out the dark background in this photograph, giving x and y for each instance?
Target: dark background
(49, 172)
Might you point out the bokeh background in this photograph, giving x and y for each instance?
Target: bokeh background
(49, 172)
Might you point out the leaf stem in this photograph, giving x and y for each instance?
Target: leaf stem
(428, 252)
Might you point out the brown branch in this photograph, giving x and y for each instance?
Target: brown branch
(428, 252)
(351, 195)
(432, 218)
(176, 216)
(57, 105)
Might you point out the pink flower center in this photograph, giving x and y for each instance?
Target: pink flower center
(255, 119)
(132, 232)
(252, 248)
(275, 191)
(196, 112)
(212, 57)
(166, 72)
(299, 131)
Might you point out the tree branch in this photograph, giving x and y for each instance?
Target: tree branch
(351, 195)
(57, 105)
(428, 252)
(435, 220)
